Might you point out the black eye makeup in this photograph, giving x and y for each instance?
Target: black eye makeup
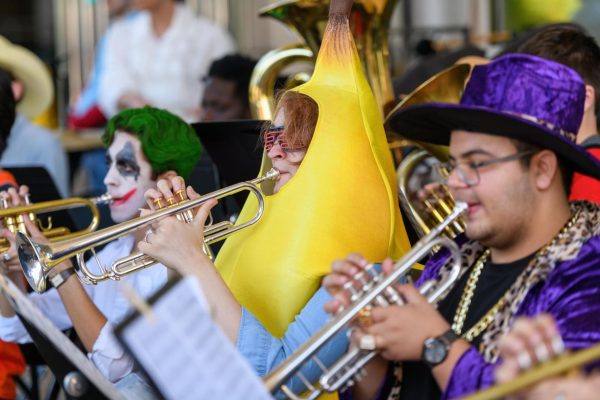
(126, 162)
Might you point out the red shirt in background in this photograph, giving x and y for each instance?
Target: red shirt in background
(585, 187)
(11, 359)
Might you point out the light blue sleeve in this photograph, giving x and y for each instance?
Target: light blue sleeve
(264, 351)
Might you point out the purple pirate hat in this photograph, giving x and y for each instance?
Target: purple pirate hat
(519, 96)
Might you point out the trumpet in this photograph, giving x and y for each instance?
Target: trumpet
(554, 367)
(376, 290)
(13, 218)
(37, 259)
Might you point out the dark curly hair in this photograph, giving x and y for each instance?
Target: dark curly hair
(168, 142)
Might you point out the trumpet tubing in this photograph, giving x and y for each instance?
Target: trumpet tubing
(13, 217)
(376, 290)
(37, 259)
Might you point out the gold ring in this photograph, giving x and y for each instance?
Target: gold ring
(364, 317)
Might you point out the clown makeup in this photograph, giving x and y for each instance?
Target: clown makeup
(129, 176)
(126, 162)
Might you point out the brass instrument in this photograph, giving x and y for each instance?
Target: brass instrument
(431, 211)
(554, 367)
(37, 259)
(446, 87)
(370, 20)
(376, 290)
(13, 217)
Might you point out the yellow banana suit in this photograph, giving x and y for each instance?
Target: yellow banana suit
(343, 197)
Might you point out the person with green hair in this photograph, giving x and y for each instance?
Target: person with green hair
(143, 146)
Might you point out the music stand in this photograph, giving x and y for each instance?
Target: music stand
(234, 147)
(77, 375)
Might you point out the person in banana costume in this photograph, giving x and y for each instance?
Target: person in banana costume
(334, 196)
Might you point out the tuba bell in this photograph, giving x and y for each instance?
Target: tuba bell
(369, 20)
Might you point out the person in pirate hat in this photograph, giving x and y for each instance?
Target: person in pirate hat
(29, 144)
(527, 250)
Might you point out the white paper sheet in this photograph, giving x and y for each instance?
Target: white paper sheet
(186, 354)
(31, 313)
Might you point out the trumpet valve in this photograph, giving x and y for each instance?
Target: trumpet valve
(159, 203)
(393, 296)
(349, 287)
(181, 195)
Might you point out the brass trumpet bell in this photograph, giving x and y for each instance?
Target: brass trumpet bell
(445, 87)
(37, 259)
(13, 217)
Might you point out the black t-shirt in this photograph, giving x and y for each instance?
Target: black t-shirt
(494, 281)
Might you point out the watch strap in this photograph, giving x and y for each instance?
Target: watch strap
(446, 339)
(60, 278)
(449, 337)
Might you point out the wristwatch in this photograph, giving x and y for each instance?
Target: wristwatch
(61, 277)
(435, 349)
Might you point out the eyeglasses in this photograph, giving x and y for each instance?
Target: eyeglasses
(468, 171)
(275, 136)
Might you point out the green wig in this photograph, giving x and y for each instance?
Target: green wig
(168, 142)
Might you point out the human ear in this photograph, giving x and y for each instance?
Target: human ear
(590, 97)
(544, 166)
(18, 90)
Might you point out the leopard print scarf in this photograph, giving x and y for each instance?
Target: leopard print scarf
(586, 224)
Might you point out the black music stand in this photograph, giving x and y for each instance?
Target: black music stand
(234, 147)
(235, 151)
(63, 369)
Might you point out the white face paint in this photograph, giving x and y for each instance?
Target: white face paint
(129, 176)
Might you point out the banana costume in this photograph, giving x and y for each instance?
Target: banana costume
(343, 197)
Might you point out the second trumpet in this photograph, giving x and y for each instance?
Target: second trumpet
(37, 259)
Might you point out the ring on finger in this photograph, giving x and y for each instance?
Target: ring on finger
(560, 396)
(147, 235)
(364, 317)
(524, 360)
(6, 257)
(367, 342)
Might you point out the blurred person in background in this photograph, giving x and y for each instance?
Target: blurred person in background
(159, 58)
(29, 144)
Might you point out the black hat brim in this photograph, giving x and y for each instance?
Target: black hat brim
(433, 123)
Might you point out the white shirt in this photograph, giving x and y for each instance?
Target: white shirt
(107, 296)
(167, 70)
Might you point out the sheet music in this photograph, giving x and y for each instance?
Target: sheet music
(186, 354)
(29, 311)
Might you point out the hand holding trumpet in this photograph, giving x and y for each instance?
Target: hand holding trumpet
(187, 255)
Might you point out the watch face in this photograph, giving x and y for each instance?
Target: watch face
(435, 351)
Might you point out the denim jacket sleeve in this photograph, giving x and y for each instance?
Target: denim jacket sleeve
(264, 351)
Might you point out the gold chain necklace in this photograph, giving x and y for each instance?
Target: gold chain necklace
(465, 300)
